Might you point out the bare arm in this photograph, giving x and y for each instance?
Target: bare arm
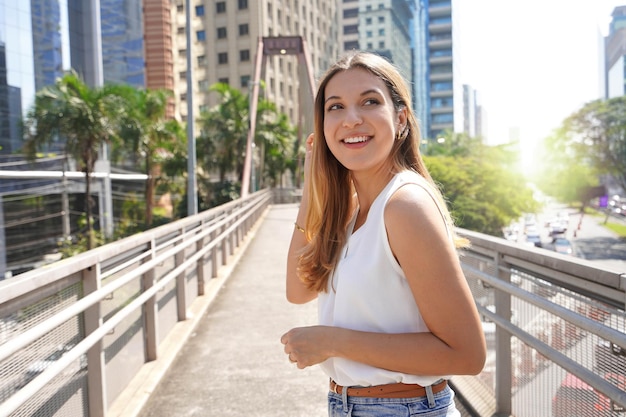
(455, 345)
(297, 293)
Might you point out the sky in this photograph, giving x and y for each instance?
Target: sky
(532, 62)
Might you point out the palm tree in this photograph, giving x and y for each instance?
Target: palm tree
(276, 137)
(149, 135)
(84, 118)
(224, 133)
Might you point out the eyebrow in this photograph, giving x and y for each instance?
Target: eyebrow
(364, 93)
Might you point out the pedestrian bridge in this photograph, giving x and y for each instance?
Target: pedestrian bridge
(185, 320)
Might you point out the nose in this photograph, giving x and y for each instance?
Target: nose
(352, 117)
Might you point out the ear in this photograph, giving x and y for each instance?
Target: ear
(402, 119)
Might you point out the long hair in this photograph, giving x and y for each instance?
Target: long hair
(331, 191)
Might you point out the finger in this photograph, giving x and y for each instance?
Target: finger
(309, 141)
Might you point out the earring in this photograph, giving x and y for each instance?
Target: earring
(403, 133)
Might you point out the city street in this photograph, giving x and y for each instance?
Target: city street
(589, 238)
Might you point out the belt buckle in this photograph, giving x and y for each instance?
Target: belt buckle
(335, 388)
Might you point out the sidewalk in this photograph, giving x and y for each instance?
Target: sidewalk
(233, 364)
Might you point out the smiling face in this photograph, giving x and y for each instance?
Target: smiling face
(360, 121)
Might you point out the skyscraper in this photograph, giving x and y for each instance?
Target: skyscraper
(444, 90)
(615, 55)
(123, 60)
(46, 38)
(17, 71)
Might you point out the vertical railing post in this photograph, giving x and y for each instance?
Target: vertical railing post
(224, 246)
(96, 384)
(504, 367)
(150, 310)
(200, 267)
(181, 285)
(213, 256)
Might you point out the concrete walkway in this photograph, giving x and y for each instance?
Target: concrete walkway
(233, 362)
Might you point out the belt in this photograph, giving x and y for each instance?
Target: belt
(398, 390)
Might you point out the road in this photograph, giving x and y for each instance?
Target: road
(590, 239)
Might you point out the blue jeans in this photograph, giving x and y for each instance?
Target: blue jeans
(393, 407)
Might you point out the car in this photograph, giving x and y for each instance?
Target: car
(534, 238)
(557, 227)
(563, 245)
(574, 397)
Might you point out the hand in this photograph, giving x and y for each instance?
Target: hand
(306, 346)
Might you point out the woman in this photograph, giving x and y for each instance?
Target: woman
(374, 243)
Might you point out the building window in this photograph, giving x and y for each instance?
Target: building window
(243, 4)
(182, 52)
(201, 35)
(201, 60)
(221, 33)
(220, 7)
(381, 45)
(381, 32)
(348, 46)
(181, 30)
(350, 29)
(441, 86)
(199, 10)
(243, 29)
(369, 34)
(442, 118)
(348, 13)
(223, 80)
(368, 21)
(381, 19)
(222, 58)
(244, 55)
(180, 8)
(203, 85)
(245, 81)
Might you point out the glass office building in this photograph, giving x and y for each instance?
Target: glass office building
(122, 42)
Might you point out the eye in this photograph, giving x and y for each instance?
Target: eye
(332, 107)
(371, 102)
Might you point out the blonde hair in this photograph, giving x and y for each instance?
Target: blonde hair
(330, 191)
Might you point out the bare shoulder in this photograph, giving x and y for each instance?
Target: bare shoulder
(412, 204)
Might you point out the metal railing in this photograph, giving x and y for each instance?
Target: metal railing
(62, 325)
(555, 325)
(556, 332)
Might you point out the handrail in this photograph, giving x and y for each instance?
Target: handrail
(228, 221)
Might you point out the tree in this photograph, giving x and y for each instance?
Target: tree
(593, 139)
(484, 193)
(224, 132)
(561, 172)
(276, 138)
(149, 135)
(82, 117)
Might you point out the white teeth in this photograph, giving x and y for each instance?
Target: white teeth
(356, 139)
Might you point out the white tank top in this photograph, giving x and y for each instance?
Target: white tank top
(368, 291)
